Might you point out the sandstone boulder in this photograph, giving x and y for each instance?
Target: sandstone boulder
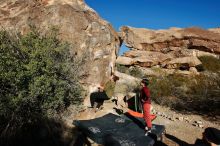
(125, 60)
(140, 61)
(184, 62)
(216, 30)
(157, 40)
(124, 78)
(174, 48)
(144, 62)
(91, 37)
(155, 57)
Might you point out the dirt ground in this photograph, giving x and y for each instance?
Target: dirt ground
(182, 132)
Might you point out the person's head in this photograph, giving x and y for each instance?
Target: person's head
(145, 82)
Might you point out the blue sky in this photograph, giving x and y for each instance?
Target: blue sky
(158, 14)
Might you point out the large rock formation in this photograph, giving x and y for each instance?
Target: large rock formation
(90, 36)
(162, 40)
(174, 48)
(216, 30)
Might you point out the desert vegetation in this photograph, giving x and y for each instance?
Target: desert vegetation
(198, 94)
(38, 81)
(133, 71)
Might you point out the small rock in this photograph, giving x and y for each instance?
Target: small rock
(159, 113)
(198, 122)
(154, 111)
(194, 124)
(186, 118)
(164, 115)
(180, 118)
(172, 119)
(201, 126)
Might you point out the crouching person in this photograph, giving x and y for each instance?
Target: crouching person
(104, 92)
(97, 98)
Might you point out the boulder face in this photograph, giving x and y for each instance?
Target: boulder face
(162, 40)
(174, 48)
(216, 30)
(78, 24)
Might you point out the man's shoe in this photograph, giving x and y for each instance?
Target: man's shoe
(147, 132)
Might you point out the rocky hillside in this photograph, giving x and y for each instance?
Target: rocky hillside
(172, 49)
(183, 66)
(91, 37)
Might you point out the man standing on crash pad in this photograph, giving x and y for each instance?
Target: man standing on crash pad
(146, 103)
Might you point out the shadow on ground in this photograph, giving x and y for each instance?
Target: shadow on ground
(170, 140)
(43, 133)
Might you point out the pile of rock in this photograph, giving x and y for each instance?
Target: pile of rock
(170, 49)
(178, 118)
(198, 124)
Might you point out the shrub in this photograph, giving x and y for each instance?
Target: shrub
(37, 78)
(121, 68)
(199, 94)
(162, 90)
(210, 63)
(204, 93)
(133, 71)
(136, 72)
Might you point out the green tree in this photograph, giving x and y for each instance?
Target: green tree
(38, 78)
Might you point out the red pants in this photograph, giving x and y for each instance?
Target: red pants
(147, 116)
